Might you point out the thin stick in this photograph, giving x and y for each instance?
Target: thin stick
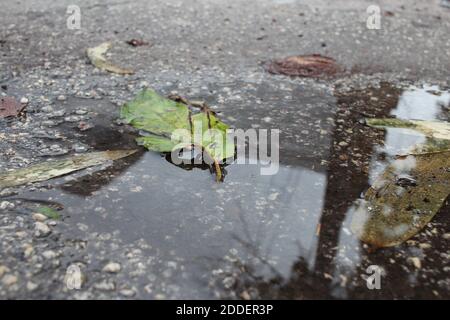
(218, 171)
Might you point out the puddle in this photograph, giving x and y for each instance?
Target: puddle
(281, 236)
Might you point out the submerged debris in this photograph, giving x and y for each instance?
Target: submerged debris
(391, 213)
(52, 169)
(173, 125)
(404, 180)
(410, 191)
(314, 65)
(97, 58)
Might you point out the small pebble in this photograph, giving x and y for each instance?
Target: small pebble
(72, 119)
(127, 292)
(28, 251)
(112, 267)
(415, 261)
(9, 280)
(3, 270)
(47, 109)
(6, 205)
(81, 112)
(39, 217)
(41, 229)
(80, 148)
(49, 254)
(105, 286)
(31, 286)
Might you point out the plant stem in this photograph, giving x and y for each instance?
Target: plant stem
(218, 171)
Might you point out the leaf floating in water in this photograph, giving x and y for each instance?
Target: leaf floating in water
(304, 66)
(173, 125)
(52, 169)
(49, 213)
(403, 199)
(97, 58)
(10, 107)
(432, 129)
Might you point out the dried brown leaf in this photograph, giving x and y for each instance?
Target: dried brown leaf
(314, 65)
(10, 107)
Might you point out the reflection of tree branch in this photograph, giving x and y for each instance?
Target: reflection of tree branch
(253, 250)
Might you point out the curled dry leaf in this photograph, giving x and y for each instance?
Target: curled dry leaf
(97, 57)
(56, 168)
(304, 66)
(10, 107)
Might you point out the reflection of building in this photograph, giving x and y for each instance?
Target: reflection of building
(340, 261)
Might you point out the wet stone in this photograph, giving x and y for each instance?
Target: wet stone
(9, 280)
(72, 118)
(112, 267)
(105, 285)
(81, 112)
(3, 270)
(31, 286)
(57, 114)
(405, 180)
(80, 148)
(39, 217)
(6, 205)
(127, 293)
(47, 109)
(41, 229)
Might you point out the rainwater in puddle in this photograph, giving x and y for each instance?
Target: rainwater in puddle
(280, 236)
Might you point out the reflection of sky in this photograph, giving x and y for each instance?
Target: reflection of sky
(266, 219)
(302, 196)
(418, 104)
(421, 104)
(414, 103)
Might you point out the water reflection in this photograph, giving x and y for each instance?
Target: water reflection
(282, 236)
(427, 103)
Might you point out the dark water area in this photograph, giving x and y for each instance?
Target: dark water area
(281, 236)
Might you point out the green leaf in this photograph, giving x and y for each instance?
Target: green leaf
(52, 169)
(173, 125)
(391, 212)
(49, 212)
